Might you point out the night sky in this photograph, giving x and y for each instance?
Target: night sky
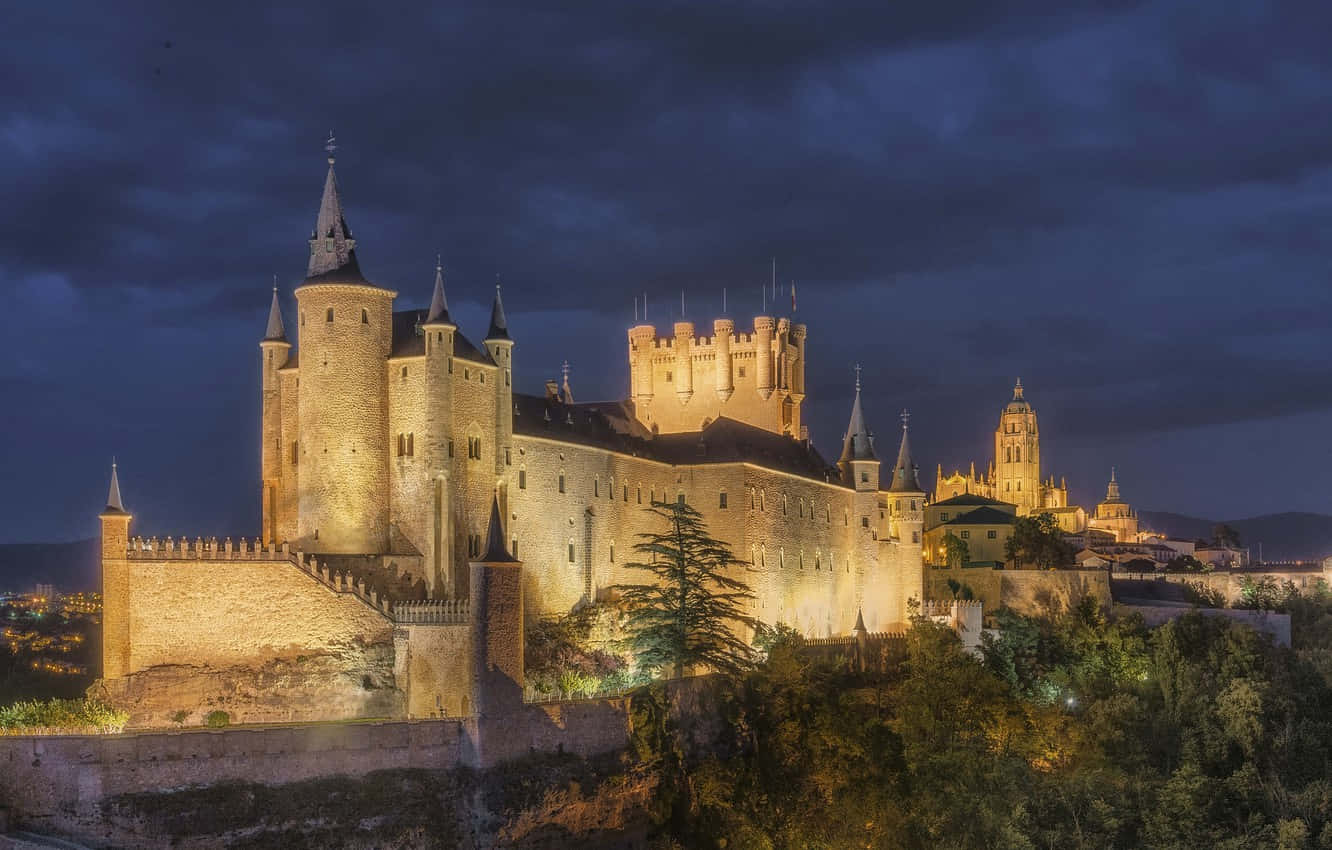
(1129, 205)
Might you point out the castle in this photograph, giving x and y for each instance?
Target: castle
(402, 473)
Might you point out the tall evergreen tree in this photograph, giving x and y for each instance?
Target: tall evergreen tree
(689, 614)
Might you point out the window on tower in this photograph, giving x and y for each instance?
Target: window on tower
(365, 317)
(522, 479)
(329, 316)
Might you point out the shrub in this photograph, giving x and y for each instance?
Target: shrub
(179, 717)
(61, 717)
(217, 719)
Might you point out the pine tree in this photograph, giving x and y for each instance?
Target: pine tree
(690, 613)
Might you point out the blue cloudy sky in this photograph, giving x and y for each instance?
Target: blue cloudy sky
(1128, 204)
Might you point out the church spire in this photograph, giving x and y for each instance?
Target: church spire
(439, 306)
(1017, 390)
(905, 479)
(1112, 489)
(859, 442)
(276, 332)
(113, 503)
(499, 325)
(332, 247)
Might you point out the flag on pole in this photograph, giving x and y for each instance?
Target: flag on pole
(793, 296)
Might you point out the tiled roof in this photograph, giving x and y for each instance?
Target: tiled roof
(983, 516)
(409, 339)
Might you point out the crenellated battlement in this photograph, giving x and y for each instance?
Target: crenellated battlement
(200, 549)
(850, 640)
(433, 612)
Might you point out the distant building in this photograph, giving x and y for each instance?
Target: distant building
(44, 592)
(984, 524)
(1115, 515)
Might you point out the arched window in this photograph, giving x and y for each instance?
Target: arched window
(365, 317)
(596, 487)
(612, 551)
(626, 494)
(330, 315)
(1017, 454)
(640, 494)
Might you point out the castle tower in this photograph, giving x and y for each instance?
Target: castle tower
(500, 348)
(684, 361)
(642, 342)
(273, 351)
(496, 601)
(722, 329)
(115, 583)
(860, 467)
(763, 328)
(1017, 455)
(344, 333)
(906, 503)
(439, 329)
(799, 333)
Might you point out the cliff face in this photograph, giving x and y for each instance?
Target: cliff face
(541, 802)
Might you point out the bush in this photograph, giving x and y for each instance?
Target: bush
(217, 720)
(61, 717)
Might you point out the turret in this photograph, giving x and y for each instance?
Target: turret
(906, 501)
(798, 335)
(273, 351)
(496, 601)
(642, 339)
(722, 329)
(782, 374)
(345, 334)
(500, 348)
(115, 583)
(763, 329)
(860, 467)
(684, 361)
(439, 331)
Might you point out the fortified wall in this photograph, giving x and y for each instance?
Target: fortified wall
(1030, 592)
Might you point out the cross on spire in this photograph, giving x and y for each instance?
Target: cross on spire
(331, 145)
(857, 367)
(906, 418)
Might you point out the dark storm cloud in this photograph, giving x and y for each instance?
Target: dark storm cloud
(1126, 203)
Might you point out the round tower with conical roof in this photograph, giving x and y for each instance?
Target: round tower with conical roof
(274, 349)
(499, 345)
(439, 330)
(344, 332)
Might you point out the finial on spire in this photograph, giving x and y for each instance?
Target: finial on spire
(857, 368)
(331, 145)
(565, 388)
(1112, 473)
(906, 418)
(275, 283)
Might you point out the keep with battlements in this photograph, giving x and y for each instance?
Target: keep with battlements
(399, 462)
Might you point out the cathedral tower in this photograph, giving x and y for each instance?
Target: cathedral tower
(344, 333)
(1017, 455)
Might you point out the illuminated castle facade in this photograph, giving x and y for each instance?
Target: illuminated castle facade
(393, 446)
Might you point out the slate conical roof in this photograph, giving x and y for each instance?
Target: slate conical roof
(859, 442)
(499, 325)
(496, 551)
(332, 248)
(113, 503)
(276, 332)
(905, 479)
(439, 306)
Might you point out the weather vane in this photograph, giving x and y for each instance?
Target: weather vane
(857, 377)
(331, 145)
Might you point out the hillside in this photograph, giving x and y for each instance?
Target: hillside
(69, 566)
(1290, 536)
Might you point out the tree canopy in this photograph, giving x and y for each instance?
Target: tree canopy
(1038, 540)
(689, 614)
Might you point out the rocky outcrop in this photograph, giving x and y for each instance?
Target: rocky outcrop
(335, 683)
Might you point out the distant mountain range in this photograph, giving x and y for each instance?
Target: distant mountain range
(1285, 537)
(69, 566)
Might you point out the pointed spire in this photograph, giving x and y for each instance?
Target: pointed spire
(332, 247)
(1112, 489)
(276, 332)
(860, 623)
(113, 503)
(499, 325)
(439, 306)
(905, 479)
(496, 550)
(859, 442)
